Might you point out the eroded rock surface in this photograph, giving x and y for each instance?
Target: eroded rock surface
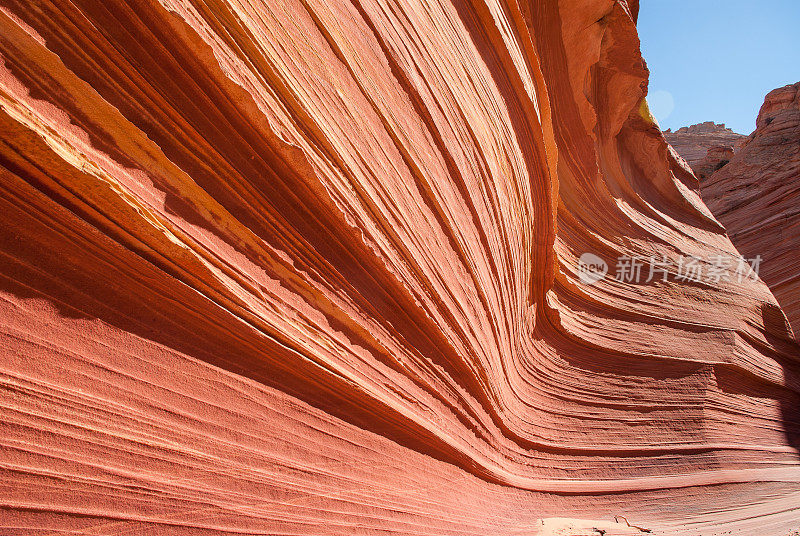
(312, 267)
(705, 146)
(756, 197)
(715, 159)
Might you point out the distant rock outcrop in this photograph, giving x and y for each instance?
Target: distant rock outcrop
(716, 157)
(705, 146)
(757, 197)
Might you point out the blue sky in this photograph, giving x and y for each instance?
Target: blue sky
(715, 60)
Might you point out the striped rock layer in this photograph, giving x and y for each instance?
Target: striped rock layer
(756, 197)
(695, 142)
(312, 267)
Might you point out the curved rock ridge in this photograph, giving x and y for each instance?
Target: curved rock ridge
(320, 267)
(755, 196)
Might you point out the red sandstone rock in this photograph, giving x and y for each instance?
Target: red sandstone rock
(756, 197)
(716, 157)
(695, 142)
(313, 268)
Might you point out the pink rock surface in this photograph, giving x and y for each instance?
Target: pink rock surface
(312, 267)
(695, 142)
(716, 157)
(757, 195)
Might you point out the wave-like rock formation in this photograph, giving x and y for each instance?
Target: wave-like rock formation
(705, 146)
(313, 267)
(756, 196)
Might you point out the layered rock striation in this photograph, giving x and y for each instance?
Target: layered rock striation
(706, 147)
(755, 196)
(318, 267)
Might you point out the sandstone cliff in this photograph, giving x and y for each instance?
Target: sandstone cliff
(706, 146)
(314, 267)
(756, 197)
